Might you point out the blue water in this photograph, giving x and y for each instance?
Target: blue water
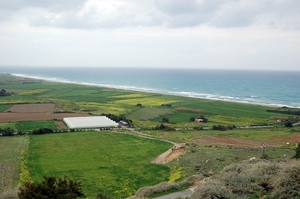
(275, 88)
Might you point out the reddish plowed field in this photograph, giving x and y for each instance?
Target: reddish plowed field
(61, 125)
(292, 139)
(16, 117)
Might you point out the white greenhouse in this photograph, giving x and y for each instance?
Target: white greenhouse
(89, 122)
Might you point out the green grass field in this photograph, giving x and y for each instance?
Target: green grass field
(8, 125)
(4, 107)
(30, 125)
(110, 163)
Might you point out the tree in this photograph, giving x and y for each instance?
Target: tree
(288, 124)
(165, 120)
(297, 156)
(7, 131)
(41, 131)
(192, 119)
(52, 187)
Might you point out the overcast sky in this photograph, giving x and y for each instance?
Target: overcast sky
(203, 34)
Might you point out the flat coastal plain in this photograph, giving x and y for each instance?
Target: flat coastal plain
(118, 162)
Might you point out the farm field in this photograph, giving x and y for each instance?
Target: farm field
(17, 117)
(110, 163)
(81, 155)
(96, 100)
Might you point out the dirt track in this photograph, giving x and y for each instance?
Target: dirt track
(170, 154)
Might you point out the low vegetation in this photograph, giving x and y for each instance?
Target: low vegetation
(167, 187)
(52, 187)
(254, 178)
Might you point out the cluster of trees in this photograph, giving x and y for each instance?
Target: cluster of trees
(163, 127)
(52, 187)
(222, 127)
(166, 105)
(118, 118)
(286, 110)
(41, 131)
(7, 131)
(55, 187)
(291, 120)
(4, 93)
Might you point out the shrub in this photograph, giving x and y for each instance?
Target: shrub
(165, 120)
(297, 155)
(102, 196)
(41, 131)
(52, 187)
(287, 182)
(164, 186)
(288, 124)
(7, 131)
(254, 179)
(212, 190)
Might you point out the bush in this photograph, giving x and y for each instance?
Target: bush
(288, 124)
(212, 190)
(52, 187)
(164, 186)
(254, 179)
(165, 120)
(41, 131)
(287, 182)
(297, 156)
(102, 196)
(7, 131)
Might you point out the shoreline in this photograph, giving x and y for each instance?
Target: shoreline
(156, 91)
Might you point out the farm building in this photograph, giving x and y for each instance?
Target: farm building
(89, 122)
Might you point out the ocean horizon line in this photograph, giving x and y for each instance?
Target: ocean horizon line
(155, 68)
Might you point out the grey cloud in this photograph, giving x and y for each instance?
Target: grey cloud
(170, 13)
(93, 19)
(55, 6)
(8, 8)
(177, 7)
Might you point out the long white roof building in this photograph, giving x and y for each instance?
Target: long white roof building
(89, 122)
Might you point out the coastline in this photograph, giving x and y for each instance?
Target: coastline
(155, 91)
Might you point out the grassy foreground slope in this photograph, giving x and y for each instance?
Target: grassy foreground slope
(11, 148)
(114, 164)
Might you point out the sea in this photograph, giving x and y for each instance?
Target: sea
(271, 88)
